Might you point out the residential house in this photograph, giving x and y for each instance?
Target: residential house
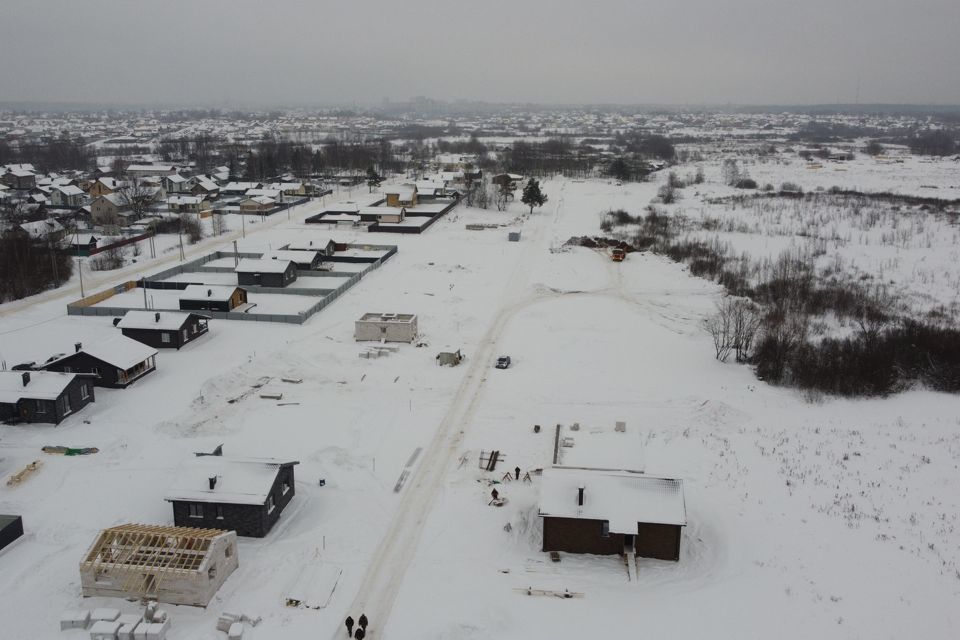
(187, 204)
(238, 188)
(116, 362)
(82, 244)
(163, 329)
(105, 186)
(48, 230)
(20, 179)
(67, 196)
(266, 273)
(42, 396)
(305, 260)
(386, 327)
(177, 184)
(144, 170)
(604, 511)
(246, 495)
(201, 297)
(110, 209)
(325, 246)
(402, 196)
(258, 205)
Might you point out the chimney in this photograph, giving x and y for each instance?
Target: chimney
(26, 378)
(77, 346)
(213, 482)
(580, 496)
(156, 317)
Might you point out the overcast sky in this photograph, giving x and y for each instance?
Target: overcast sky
(240, 52)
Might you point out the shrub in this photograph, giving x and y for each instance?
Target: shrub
(746, 183)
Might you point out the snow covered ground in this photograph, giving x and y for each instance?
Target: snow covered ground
(833, 520)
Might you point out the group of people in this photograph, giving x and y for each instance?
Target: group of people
(361, 631)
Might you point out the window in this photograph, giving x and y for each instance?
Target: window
(212, 572)
(84, 392)
(228, 551)
(165, 337)
(95, 371)
(286, 486)
(68, 369)
(184, 334)
(65, 405)
(196, 510)
(605, 531)
(219, 510)
(41, 406)
(270, 505)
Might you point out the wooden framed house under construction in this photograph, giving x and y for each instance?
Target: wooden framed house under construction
(176, 565)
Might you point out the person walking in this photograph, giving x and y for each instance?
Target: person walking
(517, 473)
(495, 494)
(349, 623)
(362, 621)
(360, 634)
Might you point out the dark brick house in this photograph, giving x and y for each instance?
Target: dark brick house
(607, 512)
(115, 363)
(265, 272)
(202, 297)
(42, 396)
(163, 329)
(246, 495)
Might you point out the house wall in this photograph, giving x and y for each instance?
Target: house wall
(11, 532)
(660, 541)
(372, 330)
(206, 305)
(26, 409)
(195, 588)
(109, 375)
(154, 337)
(268, 279)
(576, 535)
(247, 520)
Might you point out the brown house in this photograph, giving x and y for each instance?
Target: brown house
(109, 209)
(606, 512)
(403, 196)
(104, 186)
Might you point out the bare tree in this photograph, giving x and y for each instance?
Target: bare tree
(137, 195)
(734, 328)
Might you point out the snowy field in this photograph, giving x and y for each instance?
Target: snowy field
(830, 520)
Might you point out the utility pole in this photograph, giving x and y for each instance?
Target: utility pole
(79, 263)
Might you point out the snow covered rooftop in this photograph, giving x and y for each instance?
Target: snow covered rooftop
(163, 320)
(220, 293)
(43, 385)
(239, 480)
(316, 244)
(299, 256)
(119, 351)
(623, 498)
(250, 265)
(40, 228)
(181, 200)
(70, 190)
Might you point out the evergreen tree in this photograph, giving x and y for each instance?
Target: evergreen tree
(373, 179)
(532, 196)
(618, 169)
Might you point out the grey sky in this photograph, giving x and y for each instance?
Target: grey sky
(226, 52)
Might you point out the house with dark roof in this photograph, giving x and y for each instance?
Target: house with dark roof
(163, 329)
(116, 362)
(246, 495)
(202, 297)
(265, 272)
(606, 512)
(42, 396)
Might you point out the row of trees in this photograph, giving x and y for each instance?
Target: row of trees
(29, 266)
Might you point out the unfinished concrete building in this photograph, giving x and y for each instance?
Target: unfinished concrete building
(176, 565)
(386, 327)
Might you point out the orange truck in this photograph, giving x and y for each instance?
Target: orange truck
(617, 255)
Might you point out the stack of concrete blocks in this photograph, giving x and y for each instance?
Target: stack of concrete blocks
(104, 630)
(235, 632)
(128, 624)
(151, 630)
(75, 619)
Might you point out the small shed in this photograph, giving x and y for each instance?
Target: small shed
(513, 236)
(605, 511)
(386, 327)
(202, 297)
(11, 528)
(176, 565)
(246, 495)
(266, 273)
(115, 363)
(449, 358)
(163, 329)
(402, 196)
(383, 214)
